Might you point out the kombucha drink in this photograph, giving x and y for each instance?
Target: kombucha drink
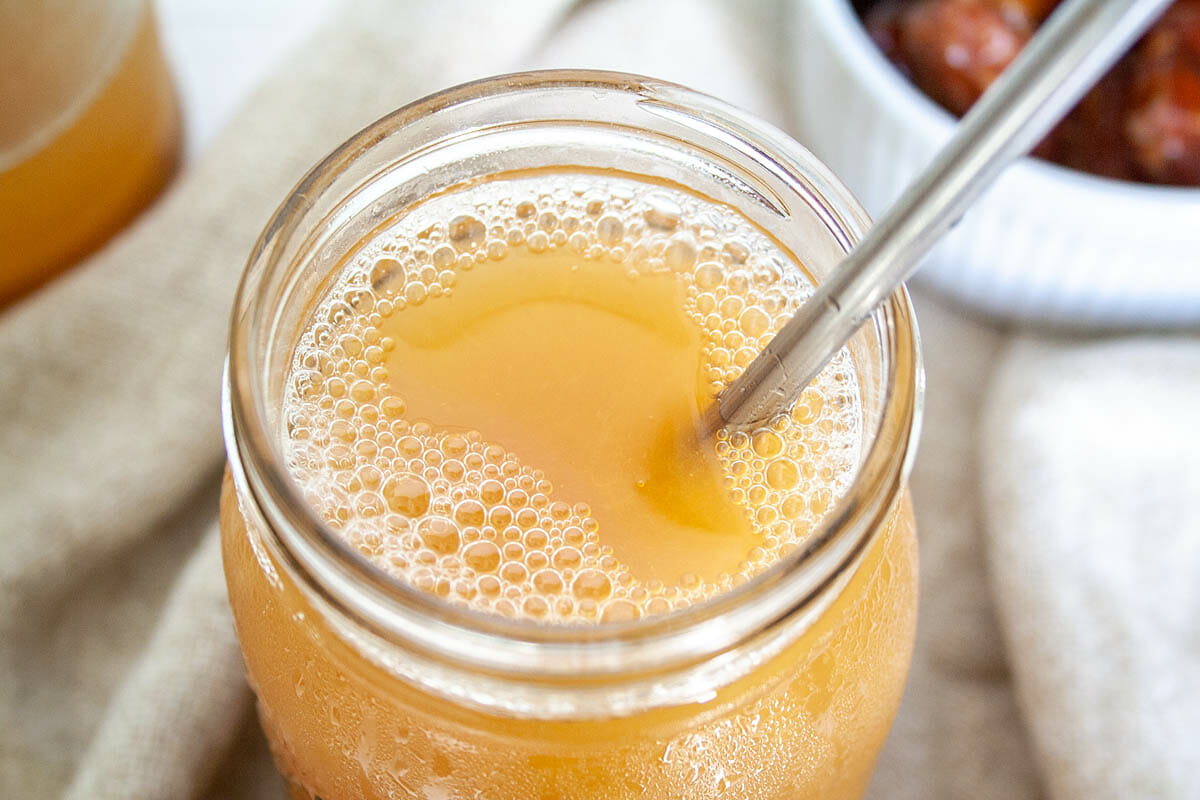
(89, 131)
(496, 400)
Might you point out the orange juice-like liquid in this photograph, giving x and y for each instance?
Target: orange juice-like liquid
(497, 402)
(72, 177)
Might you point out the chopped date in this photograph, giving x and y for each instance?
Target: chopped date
(1141, 122)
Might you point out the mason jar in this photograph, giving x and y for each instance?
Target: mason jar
(89, 130)
(782, 687)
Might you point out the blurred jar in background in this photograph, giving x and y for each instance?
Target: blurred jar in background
(89, 130)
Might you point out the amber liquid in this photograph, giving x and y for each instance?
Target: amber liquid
(582, 370)
(516, 433)
(94, 173)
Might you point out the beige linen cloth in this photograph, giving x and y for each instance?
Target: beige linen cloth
(1058, 487)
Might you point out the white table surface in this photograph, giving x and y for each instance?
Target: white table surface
(220, 50)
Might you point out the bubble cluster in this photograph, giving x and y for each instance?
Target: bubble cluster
(467, 520)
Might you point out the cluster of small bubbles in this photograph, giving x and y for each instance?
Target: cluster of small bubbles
(467, 520)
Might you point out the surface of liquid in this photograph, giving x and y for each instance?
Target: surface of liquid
(499, 400)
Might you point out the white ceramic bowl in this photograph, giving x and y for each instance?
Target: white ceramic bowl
(1045, 243)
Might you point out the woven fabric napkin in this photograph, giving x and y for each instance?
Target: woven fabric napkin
(1057, 651)
(1092, 498)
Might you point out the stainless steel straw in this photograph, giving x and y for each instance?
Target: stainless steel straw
(1070, 52)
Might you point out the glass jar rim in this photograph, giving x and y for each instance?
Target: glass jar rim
(401, 614)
